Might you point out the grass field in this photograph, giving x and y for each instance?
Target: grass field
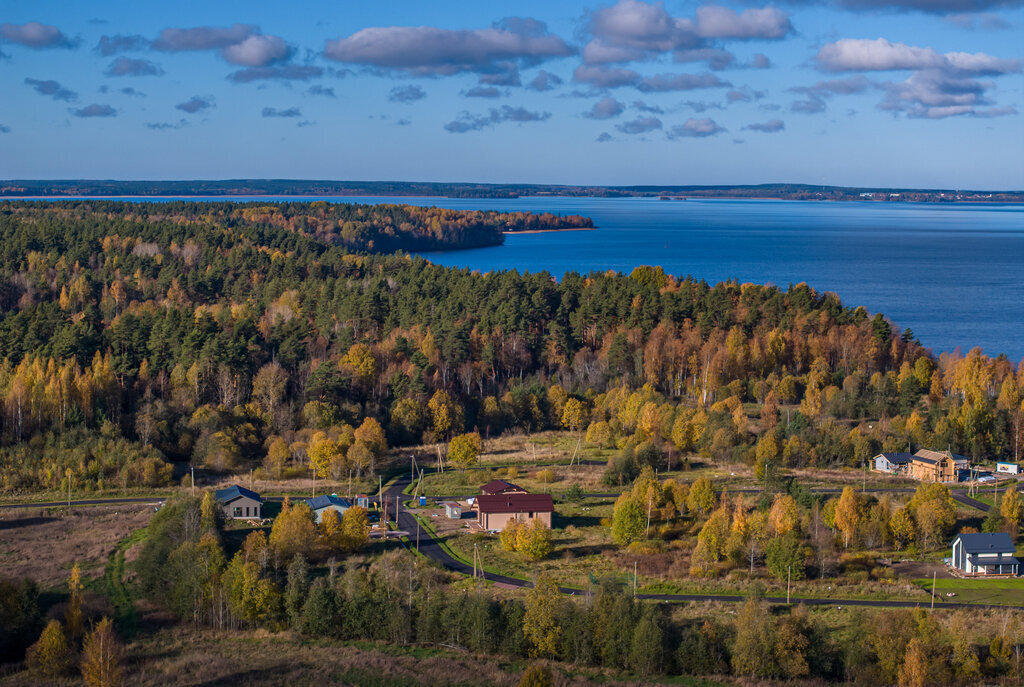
(1003, 591)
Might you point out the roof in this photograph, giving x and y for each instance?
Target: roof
(451, 504)
(236, 492)
(986, 542)
(515, 503)
(998, 560)
(897, 458)
(318, 502)
(930, 457)
(498, 486)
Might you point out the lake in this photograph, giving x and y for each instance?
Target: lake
(954, 274)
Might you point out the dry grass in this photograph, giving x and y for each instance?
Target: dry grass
(180, 657)
(44, 544)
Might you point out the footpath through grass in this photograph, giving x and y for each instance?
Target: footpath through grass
(115, 587)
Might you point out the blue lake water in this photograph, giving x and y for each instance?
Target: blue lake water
(954, 274)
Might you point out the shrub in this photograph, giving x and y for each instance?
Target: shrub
(546, 476)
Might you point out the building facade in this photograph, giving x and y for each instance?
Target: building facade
(984, 554)
(496, 511)
(238, 502)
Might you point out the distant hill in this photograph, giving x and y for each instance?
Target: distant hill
(18, 188)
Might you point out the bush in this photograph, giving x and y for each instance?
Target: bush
(573, 493)
(546, 476)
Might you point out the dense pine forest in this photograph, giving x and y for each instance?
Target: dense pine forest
(236, 335)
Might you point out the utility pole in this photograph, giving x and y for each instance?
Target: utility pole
(314, 481)
(193, 469)
(634, 579)
(789, 580)
(68, 473)
(933, 590)
(865, 487)
(417, 535)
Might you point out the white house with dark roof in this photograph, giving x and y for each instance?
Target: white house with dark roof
(321, 504)
(985, 553)
(893, 463)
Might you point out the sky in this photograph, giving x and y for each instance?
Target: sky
(907, 93)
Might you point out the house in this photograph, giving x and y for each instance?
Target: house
(1008, 468)
(984, 553)
(495, 511)
(321, 504)
(938, 466)
(893, 463)
(500, 486)
(453, 510)
(239, 502)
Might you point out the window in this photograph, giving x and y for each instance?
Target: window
(247, 511)
(237, 512)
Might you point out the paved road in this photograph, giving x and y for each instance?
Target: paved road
(429, 547)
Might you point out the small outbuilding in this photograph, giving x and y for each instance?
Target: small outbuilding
(321, 504)
(1007, 468)
(893, 463)
(238, 502)
(453, 510)
(985, 554)
(500, 486)
(495, 511)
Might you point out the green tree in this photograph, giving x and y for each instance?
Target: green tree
(537, 675)
(101, 656)
(294, 530)
(701, 498)
(464, 449)
(628, 519)
(752, 652)
(540, 621)
(784, 557)
(534, 540)
(902, 527)
(355, 528)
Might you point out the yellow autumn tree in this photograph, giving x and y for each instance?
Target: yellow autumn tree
(101, 656)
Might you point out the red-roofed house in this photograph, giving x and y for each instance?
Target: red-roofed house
(495, 511)
(500, 486)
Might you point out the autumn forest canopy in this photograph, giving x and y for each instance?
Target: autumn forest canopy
(238, 335)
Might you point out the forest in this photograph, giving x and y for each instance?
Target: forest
(213, 333)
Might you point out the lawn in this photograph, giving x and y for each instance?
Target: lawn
(1002, 591)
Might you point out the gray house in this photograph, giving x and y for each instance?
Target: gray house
(321, 504)
(239, 502)
(893, 463)
(985, 553)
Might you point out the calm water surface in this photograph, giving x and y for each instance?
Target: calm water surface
(954, 274)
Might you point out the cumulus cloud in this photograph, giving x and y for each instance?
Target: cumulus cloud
(282, 72)
(743, 95)
(202, 37)
(470, 122)
(985, 21)
(257, 51)
(695, 128)
(544, 81)
(715, 57)
(631, 30)
(640, 125)
(502, 74)
(928, 6)
(816, 95)
(132, 91)
(35, 35)
(701, 106)
(109, 46)
(605, 108)
(760, 61)
(127, 66)
(604, 137)
(406, 94)
(721, 22)
(862, 54)
(195, 104)
(482, 92)
(274, 112)
(321, 90)
(770, 127)
(165, 126)
(644, 107)
(52, 89)
(432, 51)
(94, 110)
(679, 82)
(605, 77)
(940, 85)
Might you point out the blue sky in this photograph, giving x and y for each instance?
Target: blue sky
(921, 93)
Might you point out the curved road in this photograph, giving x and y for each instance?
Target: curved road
(433, 550)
